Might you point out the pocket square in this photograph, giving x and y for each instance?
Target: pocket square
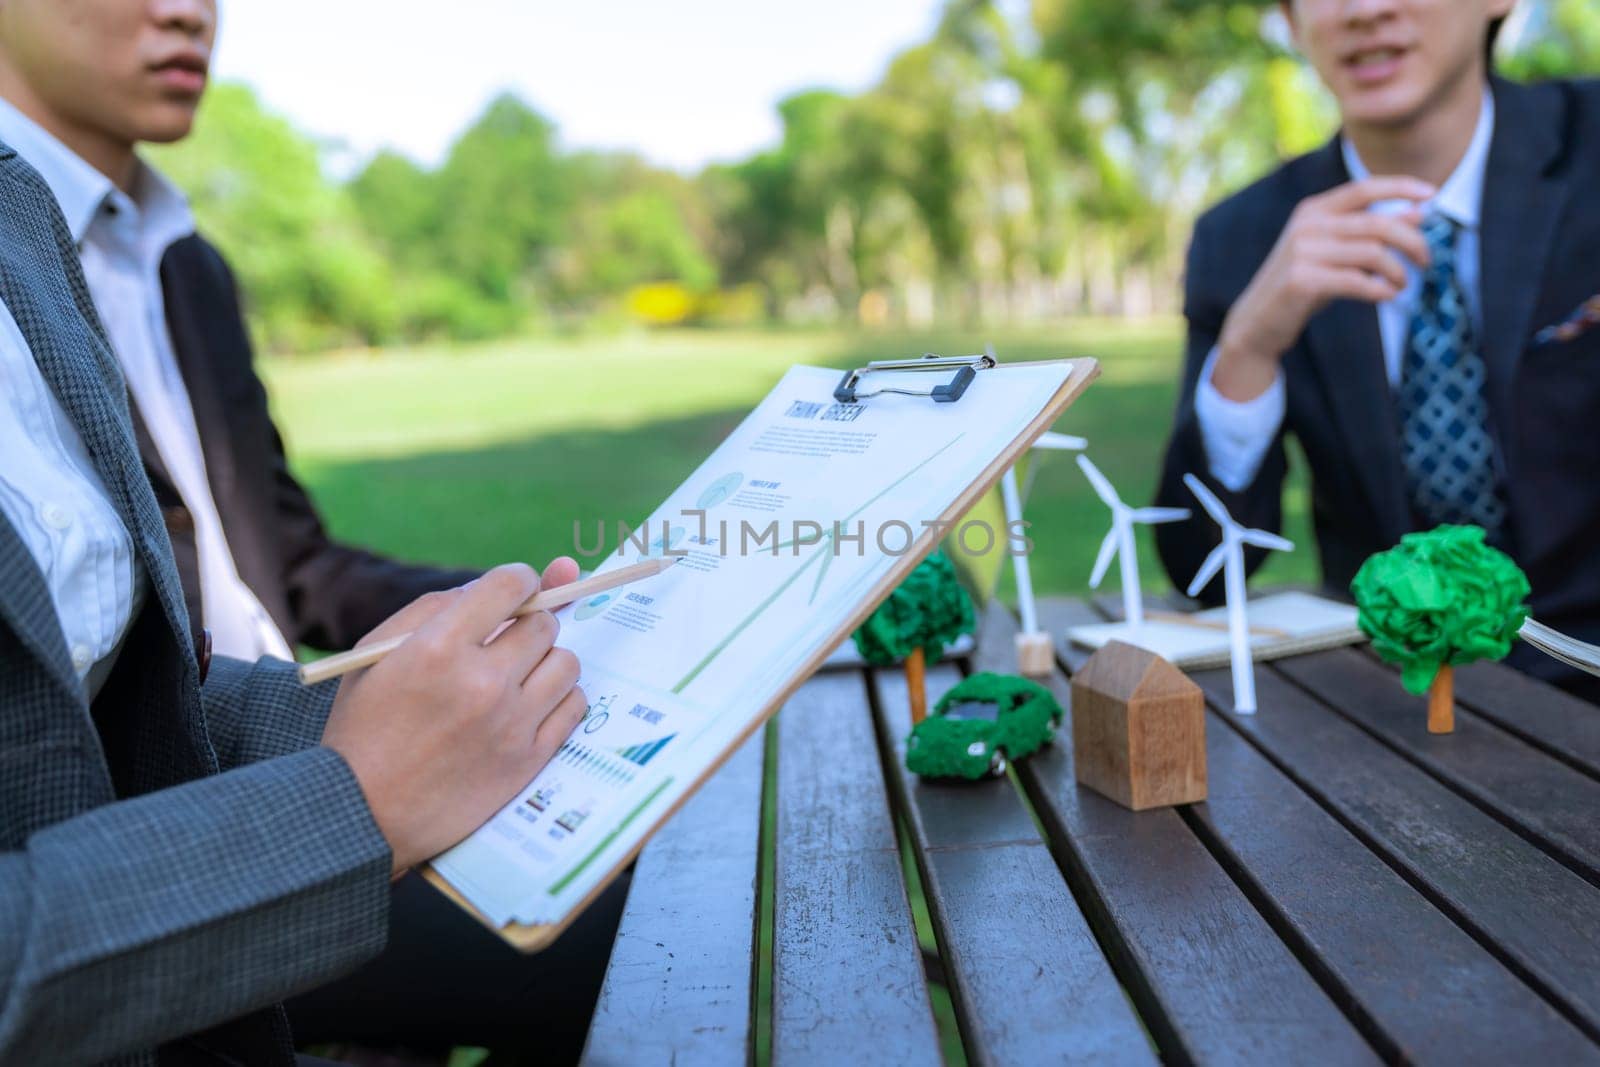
(1586, 318)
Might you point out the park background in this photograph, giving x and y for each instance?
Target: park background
(470, 353)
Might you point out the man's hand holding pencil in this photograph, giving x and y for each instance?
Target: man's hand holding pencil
(458, 700)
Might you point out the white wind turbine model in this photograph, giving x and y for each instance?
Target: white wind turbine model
(1035, 651)
(1228, 557)
(1119, 541)
(1050, 441)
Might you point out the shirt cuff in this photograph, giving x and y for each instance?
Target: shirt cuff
(1237, 435)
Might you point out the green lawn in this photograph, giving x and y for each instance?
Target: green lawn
(484, 454)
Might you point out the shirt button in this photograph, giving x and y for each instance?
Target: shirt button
(82, 658)
(57, 517)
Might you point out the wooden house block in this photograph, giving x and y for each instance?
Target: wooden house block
(1138, 729)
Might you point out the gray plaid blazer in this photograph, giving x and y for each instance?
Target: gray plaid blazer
(174, 860)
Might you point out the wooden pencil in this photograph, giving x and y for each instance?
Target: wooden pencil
(544, 600)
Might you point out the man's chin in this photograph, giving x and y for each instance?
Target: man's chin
(1391, 107)
(165, 122)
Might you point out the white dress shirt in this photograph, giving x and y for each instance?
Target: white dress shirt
(53, 497)
(1237, 435)
(122, 239)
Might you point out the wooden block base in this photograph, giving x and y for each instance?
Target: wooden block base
(1036, 655)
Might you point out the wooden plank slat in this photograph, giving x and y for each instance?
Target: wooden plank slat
(1541, 714)
(1029, 981)
(679, 985)
(1212, 979)
(1536, 915)
(1549, 801)
(847, 972)
(1283, 864)
(1371, 932)
(1409, 973)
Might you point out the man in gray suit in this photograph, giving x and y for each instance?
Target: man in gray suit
(175, 859)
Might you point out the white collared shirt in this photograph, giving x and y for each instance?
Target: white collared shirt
(53, 497)
(122, 239)
(1237, 435)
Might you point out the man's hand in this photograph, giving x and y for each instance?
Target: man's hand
(451, 724)
(1332, 248)
(563, 570)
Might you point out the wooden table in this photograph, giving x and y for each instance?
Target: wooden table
(1354, 890)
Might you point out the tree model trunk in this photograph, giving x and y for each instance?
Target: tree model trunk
(917, 685)
(1442, 702)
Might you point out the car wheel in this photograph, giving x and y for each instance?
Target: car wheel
(997, 763)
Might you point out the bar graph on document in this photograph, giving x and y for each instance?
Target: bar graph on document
(605, 766)
(593, 788)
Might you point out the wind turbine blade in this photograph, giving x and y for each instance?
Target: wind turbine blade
(1263, 539)
(1060, 442)
(1108, 549)
(1156, 516)
(1208, 500)
(1208, 570)
(1102, 487)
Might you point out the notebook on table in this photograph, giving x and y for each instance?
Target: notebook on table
(1282, 624)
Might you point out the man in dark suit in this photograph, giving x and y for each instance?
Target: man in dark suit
(82, 82)
(1393, 324)
(317, 591)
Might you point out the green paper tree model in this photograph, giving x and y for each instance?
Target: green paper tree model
(928, 610)
(1436, 601)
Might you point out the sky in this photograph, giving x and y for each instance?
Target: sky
(683, 82)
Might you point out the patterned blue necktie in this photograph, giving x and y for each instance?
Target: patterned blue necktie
(1446, 448)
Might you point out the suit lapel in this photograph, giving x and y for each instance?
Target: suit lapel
(42, 284)
(1522, 201)
(26, 604)
(1346, 351)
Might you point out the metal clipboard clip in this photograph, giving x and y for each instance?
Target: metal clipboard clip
(966, 368)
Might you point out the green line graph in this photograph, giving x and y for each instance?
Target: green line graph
(825, 551)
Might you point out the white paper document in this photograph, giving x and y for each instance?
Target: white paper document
(783, 532)
(1282, 624)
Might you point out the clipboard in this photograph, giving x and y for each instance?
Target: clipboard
(943, 380)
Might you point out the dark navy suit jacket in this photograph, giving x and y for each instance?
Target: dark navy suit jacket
(1540, 253)
(319, 591)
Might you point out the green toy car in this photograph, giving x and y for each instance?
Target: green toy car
(947, 746)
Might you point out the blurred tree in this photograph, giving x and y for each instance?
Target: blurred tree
(399, 205)
(1557, 38)
(1027, 160)
(309, 274)
(503, 197)
(634, 225)
(1161, 106)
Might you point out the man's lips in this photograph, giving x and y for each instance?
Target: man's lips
(183, 73)
(1376, 64)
